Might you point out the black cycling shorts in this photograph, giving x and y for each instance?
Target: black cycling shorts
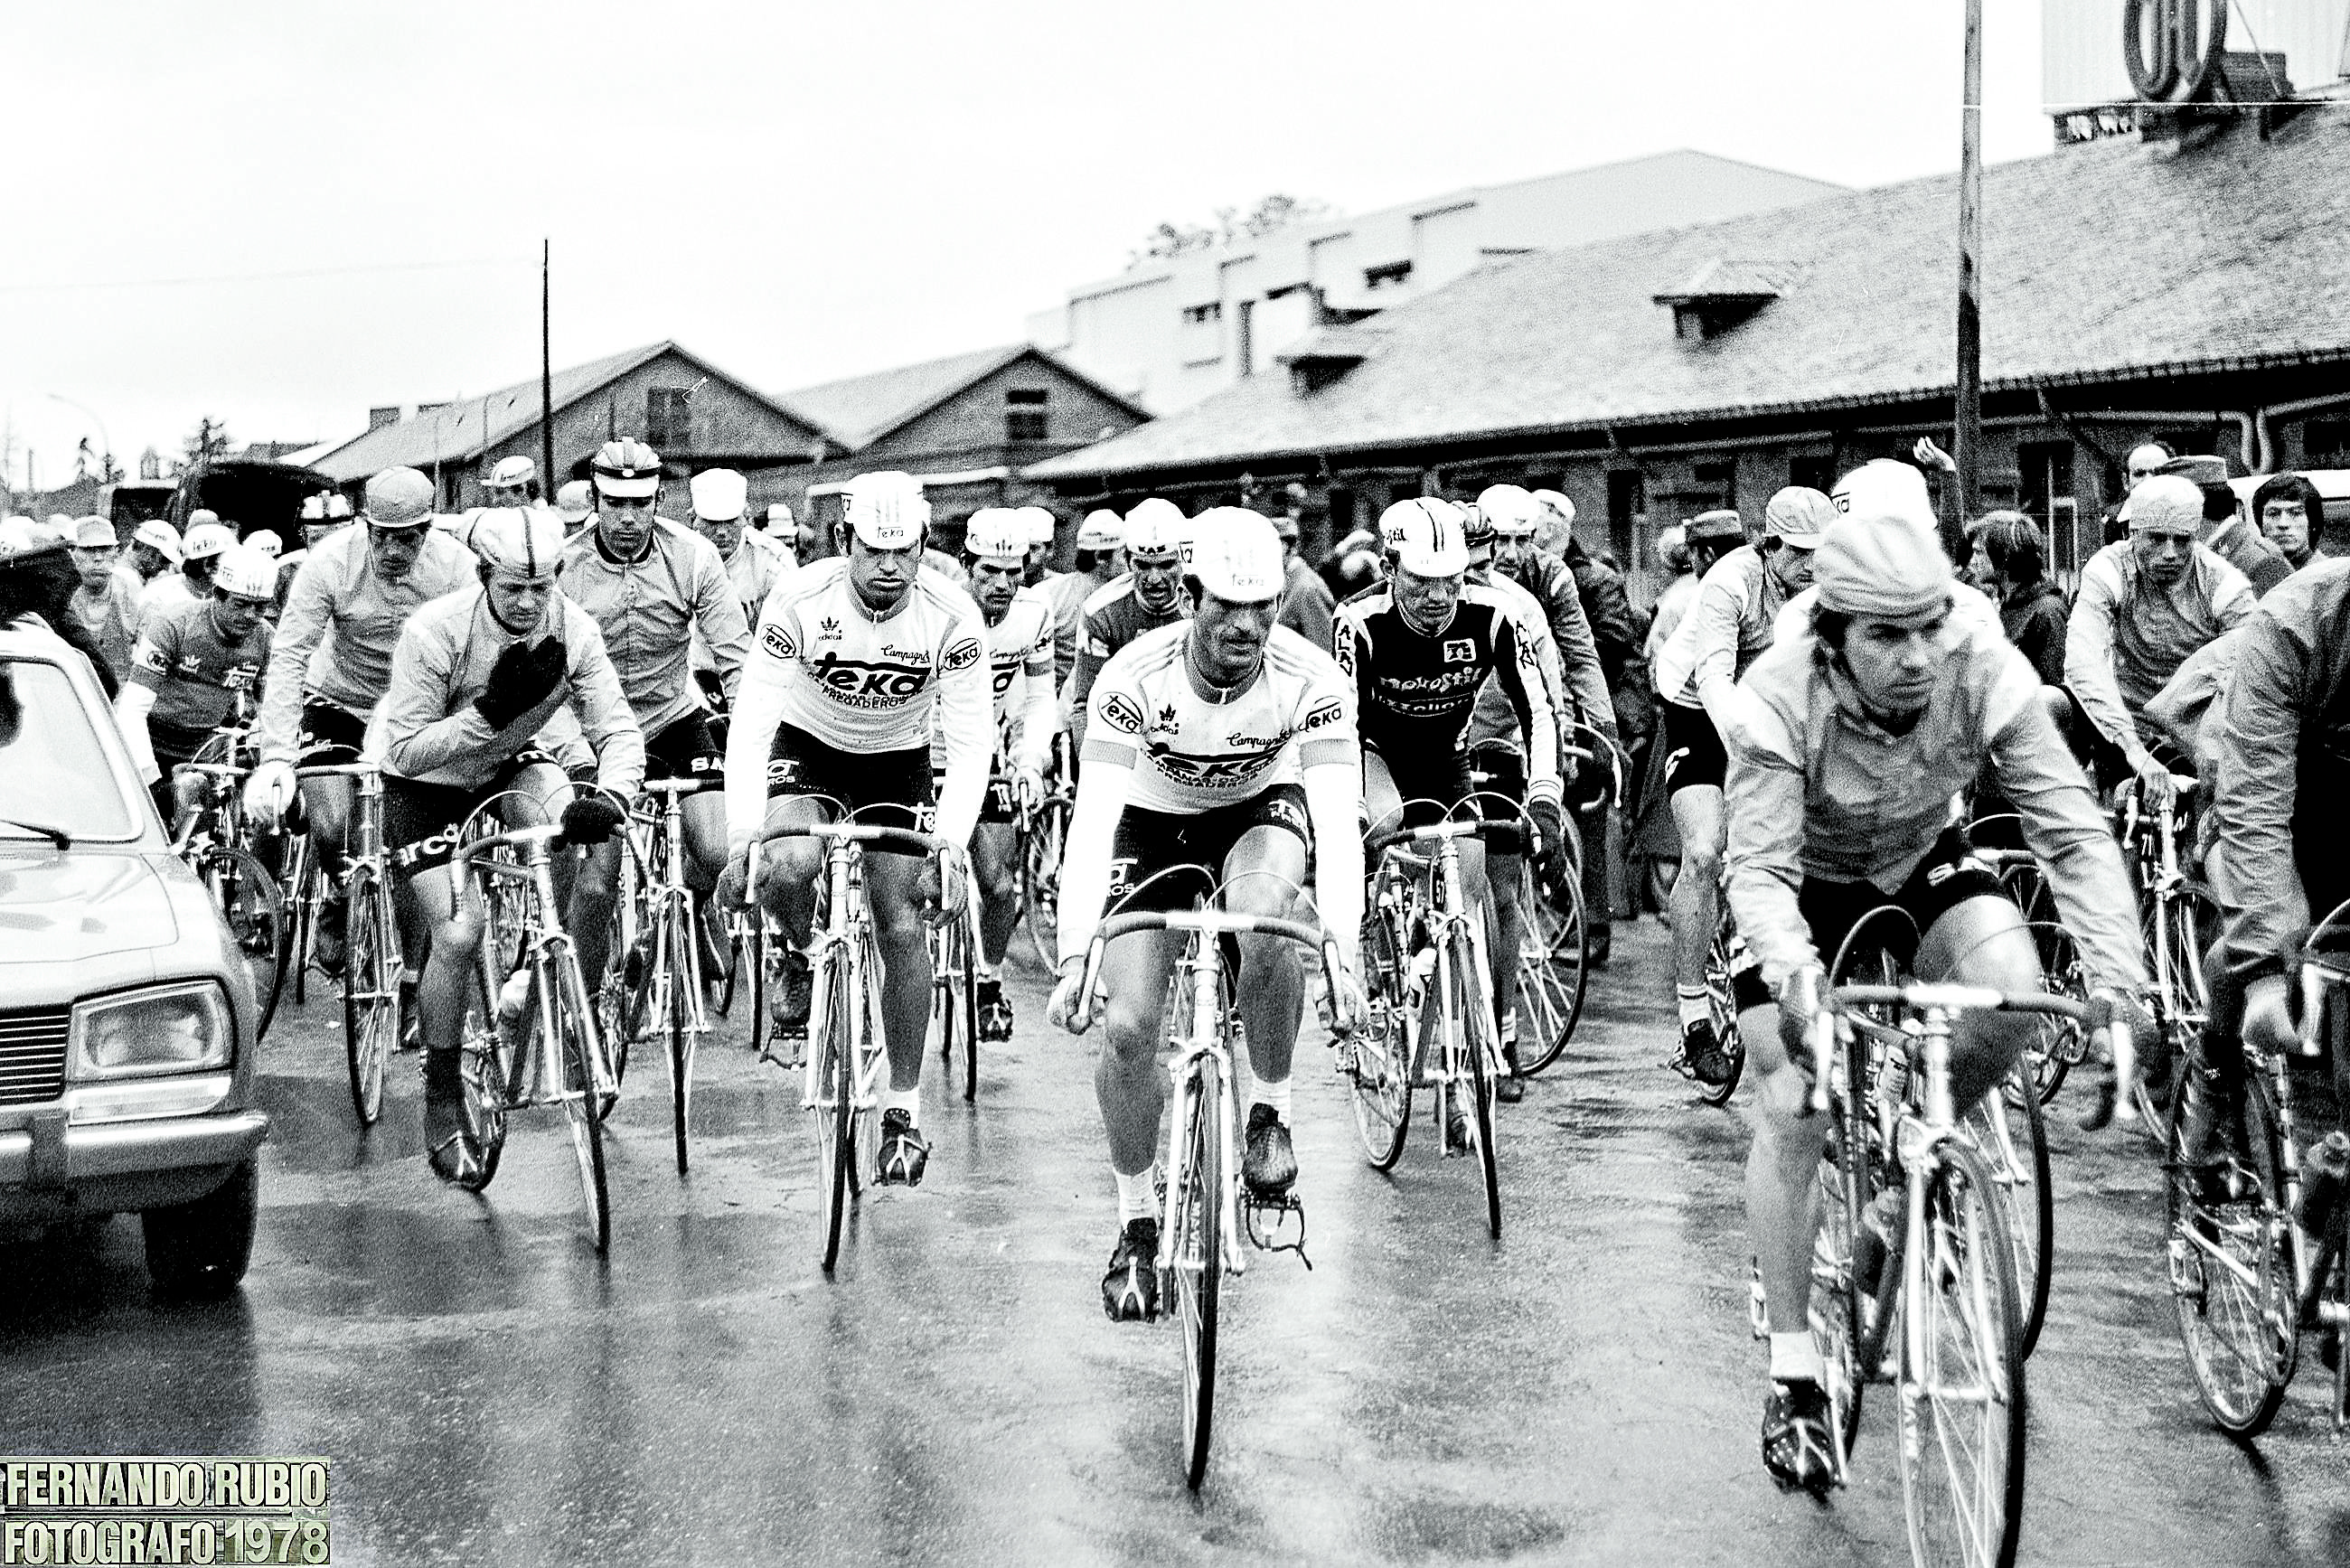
(1430, 785)
(890, 789)
(420, 820)
(330, 734)
(1694, 751)
(1948, 877)
(684, 749)
(1505, 771)
(1150, 842)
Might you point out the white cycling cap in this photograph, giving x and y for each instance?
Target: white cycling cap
(997, 534)
(719, 494)
(521, 541)
(205, 539)
(245, 572)
(1156, 528)
(1101, 530)
(1429, 535)
(1510, 509)
(886, 511)
(1237, 557)
(1883, 487)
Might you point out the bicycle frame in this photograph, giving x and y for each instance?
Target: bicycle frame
(2323, 987)
(669, 902)
(1446, 913)
(554, 965)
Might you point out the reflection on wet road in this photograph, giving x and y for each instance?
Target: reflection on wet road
(1584, 1391)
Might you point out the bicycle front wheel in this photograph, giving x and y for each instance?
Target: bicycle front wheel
(254, 909)
(835, 1101)
(677, 1024)
(1377, 1063)
(1478, 1045)
(1040, 880)
(1196, 1249)
(2231, 1281)
(371, 989)
(1961, 1397)
(2010, 1132)
(586, 1101)
(487, 1076)
(1553, 972)
(1721, 1006)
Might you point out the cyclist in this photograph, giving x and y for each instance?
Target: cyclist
(1849, 739)
(196, 668)
(475, 676)
(2146, 603)
(652, 586)
(331, 663)
(1729, 624)
(1097, 563)
(856, 654)
(193, 583)
(755, 563)
(1148, 596)
(1019, 622)
(575, 504)
(512, 483)
(1214, 744)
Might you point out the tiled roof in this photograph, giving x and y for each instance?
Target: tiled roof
(861, 410)
(461, 431)
(2115, 260)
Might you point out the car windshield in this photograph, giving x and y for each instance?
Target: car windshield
(53, 771)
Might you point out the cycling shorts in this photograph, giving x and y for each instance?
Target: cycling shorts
(420, 820)
(1505, 777)
(1693, 752)
(890, 789)
(1948, 877)
(1192, 848)
(330, 734)
(684, 749)
(1430, 785)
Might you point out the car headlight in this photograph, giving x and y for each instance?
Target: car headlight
(168, 1029)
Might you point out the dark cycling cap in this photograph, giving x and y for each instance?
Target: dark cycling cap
(1716, 527)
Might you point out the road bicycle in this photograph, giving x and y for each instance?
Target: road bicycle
(1933, 1307)
(1043, 832)
(1554, 944)
(1206, 1207)
(218, 841)
(654, 984)
(847, 1056)
(2057, 1047)
(1430, 993)
(954, 989)
(530, 1036)
(373, 964)
(2254, 1260)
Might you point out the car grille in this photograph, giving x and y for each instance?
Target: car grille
(33, 1054)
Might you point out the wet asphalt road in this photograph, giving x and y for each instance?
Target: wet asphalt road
(1585, 1391)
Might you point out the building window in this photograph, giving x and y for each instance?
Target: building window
(1719, 478)
(1390, 275)
(2325, 444)
(669, 417)
(1812, 473)
(1025, 417)
(1627, 500)
(1201, 315)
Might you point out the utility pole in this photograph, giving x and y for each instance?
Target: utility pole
(548, 483)
(1969, 410)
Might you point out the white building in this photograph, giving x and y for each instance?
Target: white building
(1169, 333)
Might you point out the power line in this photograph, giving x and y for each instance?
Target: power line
(265, 277)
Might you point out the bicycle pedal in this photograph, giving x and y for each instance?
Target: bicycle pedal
(1265, 1219)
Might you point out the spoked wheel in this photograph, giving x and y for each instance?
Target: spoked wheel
(2056, 1042)
(675, 1009)
(732, 952)
(301, 882)
(371, 1021)
(2232, 1279)
(488, 1075)
(835, 1107)
(1479, 1045)
(954, 1002)
(1721, 1005)
(1553, 971)
(1847, 1182)
(585, 1100)
(1196, 1249)
(254, 911)
(2011, 1133)
(1960, 1398)
(1377, 1063)
(1040, 879)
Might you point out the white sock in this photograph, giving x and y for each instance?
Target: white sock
(1137, 1200)
(1509, 1028)
(1795, 1358)
(906, 1100)
(983, 970)
(1273, 1095)
(1693, 1004)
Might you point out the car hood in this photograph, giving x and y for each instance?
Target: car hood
(60, 907)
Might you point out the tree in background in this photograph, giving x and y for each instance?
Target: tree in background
(206, 443)
(1270, 215)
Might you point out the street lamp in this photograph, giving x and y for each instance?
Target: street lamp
(105, 462)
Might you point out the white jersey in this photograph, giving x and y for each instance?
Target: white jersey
(1022, 640)
(1191, 755)
(821, 663)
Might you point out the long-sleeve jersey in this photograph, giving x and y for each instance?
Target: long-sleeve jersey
(342, 621)
(648, 610)
(1415, 692)
(2128, 634)
(1156, 744)
(1020, 678)
(1068, 596)
(2283, 765)
(1729, 624)
(822, 663)
(1113, 618)
(427, 728)
(1496, 717)
(1817, 790)
(1582, 674)
(757, 567)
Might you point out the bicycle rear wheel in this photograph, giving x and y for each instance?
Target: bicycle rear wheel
(1721, 1005)
(1961, 1395)
(1553, 972)
(1040, 879)
(1196, 1249)
(1847, 1183)
(579, 1054)
(301, 884)
(2010, 1132)
(2232, 1279)
(2056, 1042)
(1479, 1045)
(835, 1140)
(371, 989)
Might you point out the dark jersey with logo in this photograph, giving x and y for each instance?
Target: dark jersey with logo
(1414, 692)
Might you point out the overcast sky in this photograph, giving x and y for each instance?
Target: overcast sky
(803, 191)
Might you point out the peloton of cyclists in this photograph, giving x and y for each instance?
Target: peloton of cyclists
(1147, 595)
(197, 666)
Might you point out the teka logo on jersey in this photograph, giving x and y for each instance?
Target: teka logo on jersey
(962, 656)
(778, 642)
(861, 685)
(1119, 712)
(1328, 710)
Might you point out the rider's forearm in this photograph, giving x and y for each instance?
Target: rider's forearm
(750, 733)
(299, 630)
(131, 714)
(1093, 837)
(967, 721)
(1333, 793)
(1036, 722)
(1764, 797)
(2089, 673)
(719, 617)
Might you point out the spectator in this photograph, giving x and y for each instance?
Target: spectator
(2225, 532)
(2290, 516)
(106, 602)
(2145, 461)
(2008, 561)
(1353, 565)
(1306, 602)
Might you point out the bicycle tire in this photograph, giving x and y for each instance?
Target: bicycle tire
(371, 1019)
(1200, 1262)
(2057, 1043)
(963, 993)
(1847, 1184)
(1721, 1006)
(253, 909)
(301, 875)
(1972, 1302)
(2023, 1187)
(1554, 973)
(754, 964)
(1040, 880)
(677, 1027)
(1377, 1061)
(836, 1073)
(576, 1053)
(487, 1075)
(2240, 1360)
(1479, 1045)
